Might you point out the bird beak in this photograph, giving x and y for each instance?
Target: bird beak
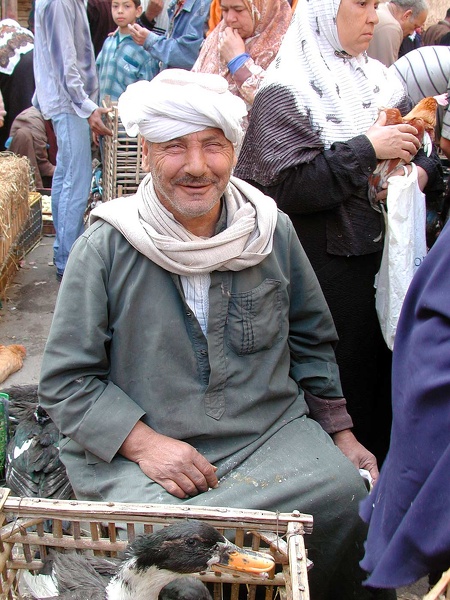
(233, 558)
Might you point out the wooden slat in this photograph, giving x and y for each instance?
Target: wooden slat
(92, 527)
(157, 513)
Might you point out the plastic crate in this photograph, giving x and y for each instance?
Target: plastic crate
(24, 542)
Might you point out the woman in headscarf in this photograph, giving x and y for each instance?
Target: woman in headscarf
(314, 138)
(244, 43)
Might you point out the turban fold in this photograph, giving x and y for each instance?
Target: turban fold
(178, 102)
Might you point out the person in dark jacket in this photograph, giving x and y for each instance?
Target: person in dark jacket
(314, 156)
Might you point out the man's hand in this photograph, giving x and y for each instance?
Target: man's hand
(175, 465)
(354, 451)
(422, 180)
(96, 123)
(138, 33)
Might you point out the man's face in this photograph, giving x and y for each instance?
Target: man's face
(409, 23)
(190, 173)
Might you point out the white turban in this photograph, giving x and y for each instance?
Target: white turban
(178, 102)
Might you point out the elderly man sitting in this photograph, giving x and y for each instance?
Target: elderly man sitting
(190, 359)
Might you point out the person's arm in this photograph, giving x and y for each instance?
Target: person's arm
(46, 168)
(153, 9)
(181, 49)
(75, 386)
(246, 74)
(343, 170)
(445, 146)
(2, 111)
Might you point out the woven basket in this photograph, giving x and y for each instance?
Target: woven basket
(24, 543)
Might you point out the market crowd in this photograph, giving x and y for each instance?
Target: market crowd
(215, 339)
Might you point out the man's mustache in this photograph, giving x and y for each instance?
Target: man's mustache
(195, 181)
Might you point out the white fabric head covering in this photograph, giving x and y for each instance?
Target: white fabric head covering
(341, 94)
(178, 102)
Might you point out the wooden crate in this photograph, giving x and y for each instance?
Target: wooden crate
(31, 233)
(24, 543)
(122, 155)
(441, 590)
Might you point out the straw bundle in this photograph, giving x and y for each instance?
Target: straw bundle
(14, 207)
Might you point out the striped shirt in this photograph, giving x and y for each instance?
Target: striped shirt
(426, 72)
(122, 62)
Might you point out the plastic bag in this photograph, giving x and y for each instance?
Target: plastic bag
(404, 249)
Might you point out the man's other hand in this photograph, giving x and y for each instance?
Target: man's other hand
(354, 451)
(96, 123)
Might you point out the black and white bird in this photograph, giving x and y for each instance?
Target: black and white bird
(33, 467)
(185, 588)
(151, 562)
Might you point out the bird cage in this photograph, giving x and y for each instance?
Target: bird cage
(30, 527)
(122, 155)
(441, 590)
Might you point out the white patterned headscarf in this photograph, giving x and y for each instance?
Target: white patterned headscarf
(341, 93)
(179, 102)
(322, 95)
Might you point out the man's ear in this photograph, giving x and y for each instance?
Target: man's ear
(407, 15)
(145, 162)
(138, 12)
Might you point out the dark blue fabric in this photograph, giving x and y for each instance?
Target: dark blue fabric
(409, 508)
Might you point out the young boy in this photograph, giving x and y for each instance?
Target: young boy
(121, 61)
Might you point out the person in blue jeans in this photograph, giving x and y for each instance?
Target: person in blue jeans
(66, 86)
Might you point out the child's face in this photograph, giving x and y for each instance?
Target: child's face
(124, 13)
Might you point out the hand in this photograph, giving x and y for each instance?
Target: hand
(153, 9)
(354, 451)
(422, 179)
(230, 44)
(393, 141)
(96, 123)
(138, 33)
(175, 465)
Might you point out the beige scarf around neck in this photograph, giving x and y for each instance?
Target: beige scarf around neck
(154, 232)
